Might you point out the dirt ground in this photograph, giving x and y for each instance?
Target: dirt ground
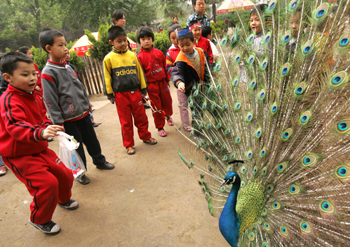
(150, 199)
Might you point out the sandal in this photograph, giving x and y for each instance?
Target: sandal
(130, 150)
(188, 128)
(170, 122)
(150, 141)
(162, 132)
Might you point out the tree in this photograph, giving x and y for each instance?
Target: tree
(21, 21)
(94, 13)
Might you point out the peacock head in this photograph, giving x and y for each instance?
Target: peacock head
(231, 178)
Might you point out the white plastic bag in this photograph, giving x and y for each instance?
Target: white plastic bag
(69, 155)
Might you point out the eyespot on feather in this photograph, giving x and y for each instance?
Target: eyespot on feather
(258, 132)
(326, 206)
(307, 48)
(286, 134)
(342, 126)
(273, 108)
(293, 5)
(321, 12)
(252, 84)
(339, 79)
(285, 69)
(286, 37)
(250, 38)
(281, 167)
(343, 172)
(249, 154)
(235, 82)
(305, 227)
(309, 160)
(305, 117)
(249, 116)
(263, 152)
(264, 63)
(300, 89)
(262, 94)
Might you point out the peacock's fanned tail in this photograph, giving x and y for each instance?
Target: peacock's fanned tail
(285, 111)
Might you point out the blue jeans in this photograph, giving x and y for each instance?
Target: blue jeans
(1, 162)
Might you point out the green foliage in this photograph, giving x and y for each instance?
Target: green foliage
(7, 50)
(233, 19)
(70, 44)
(218, 27)
(100, 48)
(21, 21)
(39, 56)
(132, 36)
(95, 13)
(77, 62)
(162, 41)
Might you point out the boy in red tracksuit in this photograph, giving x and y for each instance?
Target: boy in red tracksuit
(200, 41)
(125, 85)
(23, 135)
(153, 62)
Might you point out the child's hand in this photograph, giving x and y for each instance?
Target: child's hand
(181, 86)
(51, 131)
(111, 100)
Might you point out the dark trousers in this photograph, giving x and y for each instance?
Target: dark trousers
(84, 132)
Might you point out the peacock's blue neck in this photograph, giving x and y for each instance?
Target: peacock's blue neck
(229, 222)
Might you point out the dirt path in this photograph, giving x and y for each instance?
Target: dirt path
(149, 199)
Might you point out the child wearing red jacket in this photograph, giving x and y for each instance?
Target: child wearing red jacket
(174, 49)
(152, 61)
(200, 41)
(23, 135)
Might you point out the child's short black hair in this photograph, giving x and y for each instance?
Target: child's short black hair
(9, 62)
(114, 32)
(144, 32)
(189, 35)
(23, 49)
(260, 7)
(47, 37)
(117, 14)
(206, 30)
(173, 28)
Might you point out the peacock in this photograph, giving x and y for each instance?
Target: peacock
(272, 146)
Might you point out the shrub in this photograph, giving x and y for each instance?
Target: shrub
(162, 41)
(39, 56)
(100, 48)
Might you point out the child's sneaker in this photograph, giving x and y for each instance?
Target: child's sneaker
(130, 150)
(48, 228)
(150, 141)
(71, 205)
(162, 132)
(170, 122)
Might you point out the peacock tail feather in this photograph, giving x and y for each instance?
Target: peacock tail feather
(281, 104)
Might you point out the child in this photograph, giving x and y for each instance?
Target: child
(171, 56)
(208, 34)
(125, 85)
(66, 100)
(190, 70)
(25, 50)
(25, 151)
(256, 27)
(28, 52)
(152, 62)
(199, 41)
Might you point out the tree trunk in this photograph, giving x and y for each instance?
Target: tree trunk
(214, 11)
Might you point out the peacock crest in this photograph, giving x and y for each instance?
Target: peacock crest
(279, 102)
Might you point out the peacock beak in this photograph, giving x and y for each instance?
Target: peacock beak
(223, 183)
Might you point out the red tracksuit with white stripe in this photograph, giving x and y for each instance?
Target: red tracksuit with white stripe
(153, 63)
(27, 154)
